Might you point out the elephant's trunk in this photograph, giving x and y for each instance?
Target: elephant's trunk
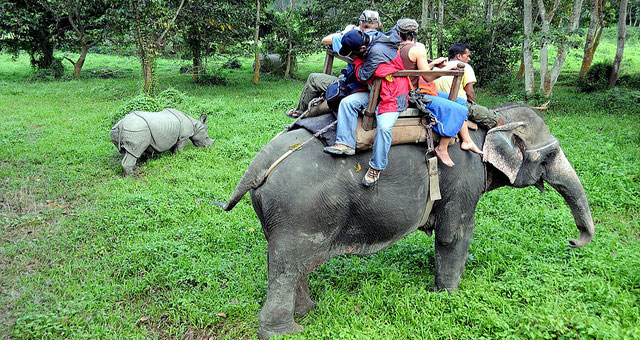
(561, 176)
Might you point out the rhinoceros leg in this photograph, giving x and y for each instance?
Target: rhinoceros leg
(452, 240)
(179, 146)
(128, 163)
(303, 300)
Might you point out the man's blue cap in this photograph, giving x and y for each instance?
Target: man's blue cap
(352, 41)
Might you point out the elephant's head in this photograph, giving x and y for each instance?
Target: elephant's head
(524, 150)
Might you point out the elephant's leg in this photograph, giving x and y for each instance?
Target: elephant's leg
(180, 145)
(453, 237)
(276, 316)
(128, 163)
(303, 300)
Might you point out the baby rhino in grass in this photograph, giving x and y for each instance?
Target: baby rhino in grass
(146, 132)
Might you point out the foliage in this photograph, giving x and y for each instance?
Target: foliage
(54, 71)
(495, 46)
(211, 77)
(231, 63)
(85, 21)
(596, 78)
(28, 26)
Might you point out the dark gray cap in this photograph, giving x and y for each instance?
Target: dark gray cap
(369, 16)
(407, 25)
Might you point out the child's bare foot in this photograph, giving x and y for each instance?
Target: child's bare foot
(471, 146)
(444, 157)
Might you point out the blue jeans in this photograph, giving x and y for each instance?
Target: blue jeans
(382, 141)
(348, 122)
(348, 117)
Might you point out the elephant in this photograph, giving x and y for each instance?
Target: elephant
(139, 132)
(312, 205)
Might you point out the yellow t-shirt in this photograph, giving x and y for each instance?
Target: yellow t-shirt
(444, 83)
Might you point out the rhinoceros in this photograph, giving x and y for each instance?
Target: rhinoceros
(139, 132)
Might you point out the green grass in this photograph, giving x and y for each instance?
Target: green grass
(87, 253)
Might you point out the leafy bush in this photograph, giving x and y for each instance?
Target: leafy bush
(170, 98)
(141, 102)
(105, 72)
(503, 84)
(494, 48)
(616, 98)
(596, 78)
(208, 77)
(630, 81)
(232, 63)
(55, 71)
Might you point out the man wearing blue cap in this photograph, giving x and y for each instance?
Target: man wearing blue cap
(372, 57)
(317, 83)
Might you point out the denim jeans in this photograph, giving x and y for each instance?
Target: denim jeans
(382, 141)
(348, 122)
(348, 117)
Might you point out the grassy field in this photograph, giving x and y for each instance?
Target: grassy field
(88, 253)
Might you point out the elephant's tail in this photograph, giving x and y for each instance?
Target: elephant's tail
(250, 180)
(255, 174)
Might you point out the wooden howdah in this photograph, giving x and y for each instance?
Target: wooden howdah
(374, 93)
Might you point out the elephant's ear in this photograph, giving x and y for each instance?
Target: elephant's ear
(504, 149)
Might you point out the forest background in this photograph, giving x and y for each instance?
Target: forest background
(88, 253)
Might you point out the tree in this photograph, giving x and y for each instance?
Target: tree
(27, 26)
(87, 27)
(527, 51)
(563, 46)
(150, 21)
(256, 48)
(592, 40)
(208, 27)
(289, 39)
(622, 30)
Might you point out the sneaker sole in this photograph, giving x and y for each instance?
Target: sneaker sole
(339, 152)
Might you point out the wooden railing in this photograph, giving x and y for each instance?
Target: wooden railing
(374, 95)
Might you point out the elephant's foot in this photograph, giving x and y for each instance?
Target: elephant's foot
(303, 307)
(267, 331)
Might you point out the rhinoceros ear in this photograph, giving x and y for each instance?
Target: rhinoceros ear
(503, 148)
(203, 119)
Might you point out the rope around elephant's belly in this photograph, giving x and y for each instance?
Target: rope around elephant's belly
(294, 149)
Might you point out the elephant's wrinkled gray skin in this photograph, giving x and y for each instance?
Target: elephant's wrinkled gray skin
(312, 206)
(139, 132)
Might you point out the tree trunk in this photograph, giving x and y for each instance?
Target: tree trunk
(440, 26)
(572, 26)
(520, 74)
(488, 10)
(527, 53)
(425, 22)
(256, 71)
(546, 19)
(622, 30)
(77, 66)
(287, 70)
(195, 43)
(590, 41)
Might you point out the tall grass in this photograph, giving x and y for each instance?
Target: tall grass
(88, 253)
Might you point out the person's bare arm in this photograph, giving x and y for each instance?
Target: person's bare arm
(420, 54)
(328, 40)
(471, 94)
